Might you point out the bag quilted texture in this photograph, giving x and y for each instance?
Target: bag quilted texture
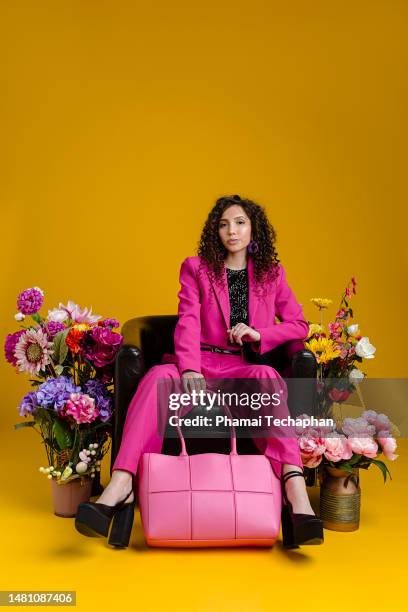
(209, 499)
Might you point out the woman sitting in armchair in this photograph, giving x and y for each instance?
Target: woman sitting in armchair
(230, 294)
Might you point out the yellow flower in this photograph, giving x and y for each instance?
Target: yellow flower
(314, 328)
(324, 349)
(321, 302)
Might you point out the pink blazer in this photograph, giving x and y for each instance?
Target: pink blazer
(204, 313)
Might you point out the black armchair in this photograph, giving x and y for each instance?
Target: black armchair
(146, 339)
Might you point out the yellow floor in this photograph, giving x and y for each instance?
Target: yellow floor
(362, 571)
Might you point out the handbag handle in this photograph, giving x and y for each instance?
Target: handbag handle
(233, 437)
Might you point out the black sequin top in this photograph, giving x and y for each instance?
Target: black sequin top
(238, 295)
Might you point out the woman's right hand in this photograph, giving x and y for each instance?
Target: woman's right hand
(193, 381)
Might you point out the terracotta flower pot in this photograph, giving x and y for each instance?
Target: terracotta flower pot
(340, 499)
(68, 496)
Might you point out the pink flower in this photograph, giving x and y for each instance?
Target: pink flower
(364, 446)
(311, 450)
(79, 316)
(33, 351)
(81, 407)
(388, 445)
(337, 448)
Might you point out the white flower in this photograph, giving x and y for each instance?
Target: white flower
(365, 349)
(353, 329)
(19, 316)
(356, 376)
(57, 314)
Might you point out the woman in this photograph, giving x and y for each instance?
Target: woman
(229, 296)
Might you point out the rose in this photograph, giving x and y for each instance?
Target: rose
(364, 446)
(337, 448)
(364, 349)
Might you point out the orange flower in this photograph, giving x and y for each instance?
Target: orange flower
(75, 336)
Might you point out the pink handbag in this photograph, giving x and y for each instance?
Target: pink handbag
(209, 499)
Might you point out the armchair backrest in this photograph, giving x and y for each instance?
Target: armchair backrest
(153, 335)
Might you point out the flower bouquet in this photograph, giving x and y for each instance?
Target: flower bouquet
(338, 452)
(69, 355)
(339, 349)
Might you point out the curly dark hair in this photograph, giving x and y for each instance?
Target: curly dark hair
(212, 251)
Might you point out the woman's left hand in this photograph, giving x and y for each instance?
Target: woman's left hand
(243, 333)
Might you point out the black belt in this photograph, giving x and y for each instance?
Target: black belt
(215, 349)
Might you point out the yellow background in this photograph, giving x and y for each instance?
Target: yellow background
(121, 123)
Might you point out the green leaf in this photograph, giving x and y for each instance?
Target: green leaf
(60, 347)
(381, 465)
(25, 424)
(62, 435)
(59, 369)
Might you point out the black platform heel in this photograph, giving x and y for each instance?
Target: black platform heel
(94, 519)
(298, 529)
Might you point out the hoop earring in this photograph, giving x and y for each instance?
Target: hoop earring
(253, 247)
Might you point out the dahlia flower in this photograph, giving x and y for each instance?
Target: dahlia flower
(10, 346)
(30, 301)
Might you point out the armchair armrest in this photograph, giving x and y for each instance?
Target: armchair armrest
(129, 369)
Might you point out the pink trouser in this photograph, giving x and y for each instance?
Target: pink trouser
(140, 432)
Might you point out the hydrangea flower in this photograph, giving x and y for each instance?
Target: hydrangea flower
(96, 389)
(28, 404)
(55, 392)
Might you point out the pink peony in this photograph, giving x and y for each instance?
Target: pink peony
(81, 407)
(337, 448)
(364, 446)
(388, 445)
(311, 450)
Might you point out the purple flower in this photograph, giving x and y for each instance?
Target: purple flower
(96, 389)
(28, 404)
(100, 345)
(54, 327)
(54, 392)
(10, 346)
(30, 300)
(109, 323)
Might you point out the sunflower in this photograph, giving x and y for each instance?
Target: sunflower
(324, 349)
